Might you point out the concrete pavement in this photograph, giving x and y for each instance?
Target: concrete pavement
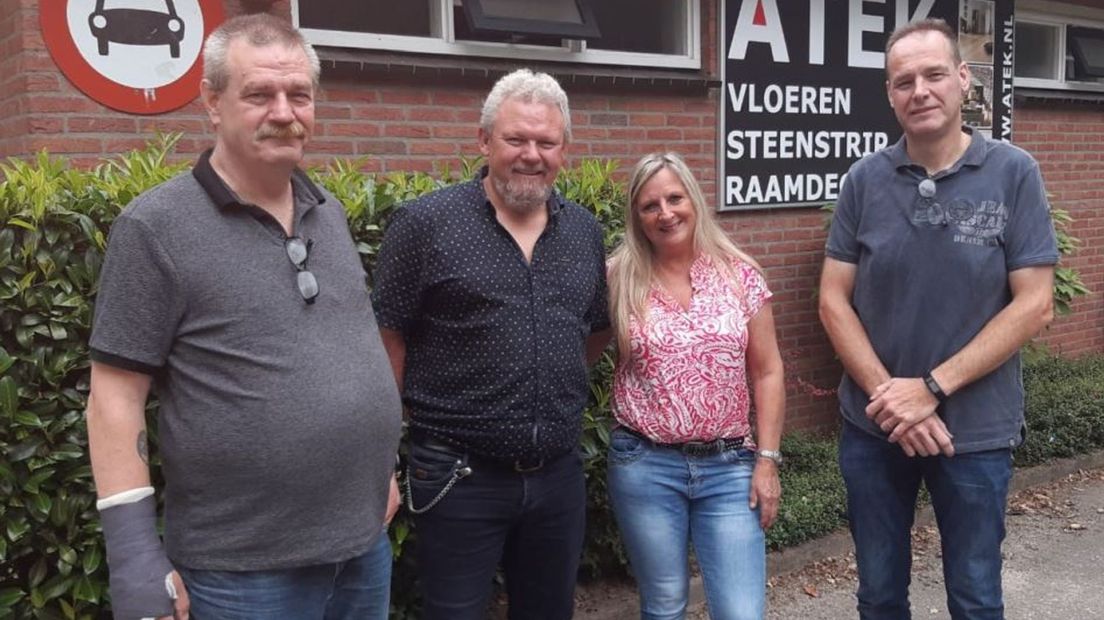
(1054, 560)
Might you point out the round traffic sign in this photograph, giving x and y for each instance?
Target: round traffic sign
(138, 56)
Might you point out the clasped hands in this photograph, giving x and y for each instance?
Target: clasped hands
(905, 409)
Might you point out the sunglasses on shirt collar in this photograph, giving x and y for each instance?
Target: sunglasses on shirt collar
(298, 251)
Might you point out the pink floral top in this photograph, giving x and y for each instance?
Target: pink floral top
(686, 375)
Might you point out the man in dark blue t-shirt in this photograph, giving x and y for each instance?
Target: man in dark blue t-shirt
(939, 267)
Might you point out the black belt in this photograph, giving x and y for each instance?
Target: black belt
(692, 448)
(521, 465)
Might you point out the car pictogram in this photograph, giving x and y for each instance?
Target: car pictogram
(136, 27)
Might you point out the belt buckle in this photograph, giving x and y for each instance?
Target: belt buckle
(521, 467)
(704, 448)
(698, 448)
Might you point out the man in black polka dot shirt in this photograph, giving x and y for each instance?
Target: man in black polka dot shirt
(491, 298)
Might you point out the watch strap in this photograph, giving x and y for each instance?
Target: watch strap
(770, 455)
(934, 387)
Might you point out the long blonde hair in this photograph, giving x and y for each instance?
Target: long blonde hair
(631, 268)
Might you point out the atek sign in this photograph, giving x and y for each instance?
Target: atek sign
(804, 94)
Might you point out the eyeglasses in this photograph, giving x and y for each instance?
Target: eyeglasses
(298, 251)
(928, 210)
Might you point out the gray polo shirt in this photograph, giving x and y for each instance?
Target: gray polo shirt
(279, 419)
(932, 271)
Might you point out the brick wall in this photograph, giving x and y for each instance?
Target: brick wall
(397, 123)
(1068, 141)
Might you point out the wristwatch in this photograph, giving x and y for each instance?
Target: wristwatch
(771, 455)
(934, 387)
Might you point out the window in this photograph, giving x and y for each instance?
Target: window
(1056, 52)
(1087, 48)
(570, 19)
(661, 33)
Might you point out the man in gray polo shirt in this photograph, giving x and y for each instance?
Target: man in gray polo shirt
(940, 267)
(236, 293)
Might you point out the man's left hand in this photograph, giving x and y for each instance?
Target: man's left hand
(394, 499)
(899, 404)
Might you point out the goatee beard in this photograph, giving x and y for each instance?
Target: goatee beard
(522, 197)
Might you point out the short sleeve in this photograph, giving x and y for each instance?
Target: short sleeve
(139, 303)
(755, 290)
(1029, 236)
(843, 241)
(397, 295)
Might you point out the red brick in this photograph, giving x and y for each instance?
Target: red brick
(405, 97)
(362, 129)
(60, 144)
(381, 147)
(100, 124)
(325, 111)
(123, 145)
(52, 103)
(456, 99)
(48, 124)
(348, 95)
(406, 131)
(187, 126)
(430, 114)
(378, 113)
(455, 132)
(433, 148)
(41, 82)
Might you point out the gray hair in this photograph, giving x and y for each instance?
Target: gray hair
(259, 30)
(528, 87)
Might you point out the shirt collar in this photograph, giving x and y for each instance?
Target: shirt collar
(224, 197)
(974, 155)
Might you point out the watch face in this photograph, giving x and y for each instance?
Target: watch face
(934, 387)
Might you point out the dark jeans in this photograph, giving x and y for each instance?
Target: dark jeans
(533, 522)
(968, 493)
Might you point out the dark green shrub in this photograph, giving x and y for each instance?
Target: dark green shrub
(1064, 408)
(813, 498)
(55, 223)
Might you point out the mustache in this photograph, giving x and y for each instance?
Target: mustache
(295, 129)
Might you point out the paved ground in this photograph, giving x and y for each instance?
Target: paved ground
(1054, 563)
(1054, 560)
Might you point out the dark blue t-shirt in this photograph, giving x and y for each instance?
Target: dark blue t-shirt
(933, 270)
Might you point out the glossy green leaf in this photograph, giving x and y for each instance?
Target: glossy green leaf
(10, 596)
(9, 397)
(6, 360)
(91, 559)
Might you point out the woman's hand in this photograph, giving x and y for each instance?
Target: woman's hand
(766, 491)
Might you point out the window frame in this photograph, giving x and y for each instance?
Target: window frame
(443, 42)
(1062, 22)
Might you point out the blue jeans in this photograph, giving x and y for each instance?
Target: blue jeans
(532, 521)
(664, 500)
(356, 589)
(968, 493)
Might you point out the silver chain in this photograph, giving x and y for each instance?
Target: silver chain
(460, 472)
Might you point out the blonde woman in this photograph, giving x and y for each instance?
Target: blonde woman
(696, 344)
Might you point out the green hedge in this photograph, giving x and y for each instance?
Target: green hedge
(53, 226)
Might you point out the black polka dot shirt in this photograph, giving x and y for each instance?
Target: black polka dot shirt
(495, 346)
